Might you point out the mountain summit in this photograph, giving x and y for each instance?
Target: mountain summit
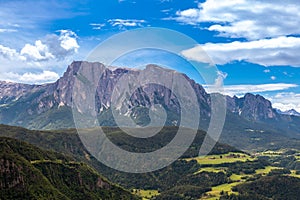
(49, 106)
(23, 104)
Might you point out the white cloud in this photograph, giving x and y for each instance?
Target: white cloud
(239, 90)
(68, 40)
(246, 18)
(48, 54)
(282, 100)
(97, 26)
(267, 71)
(36, 52)
(220, 78)
(8, 53)
(268, 52)
(7, 30)
(121, 23)
(273, 78)
(286, 101)
(286, 107)
(32, 78)
(52, 47)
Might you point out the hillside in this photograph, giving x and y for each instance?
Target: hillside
(274, 187)
(249, 122)
(28, 172)
(191, 176)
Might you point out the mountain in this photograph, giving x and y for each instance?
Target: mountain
(38, 107)
(252, 107)
(49, 106)
(288, 112)
(39, 100)
(28, 172)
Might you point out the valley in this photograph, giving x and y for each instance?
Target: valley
(219, 175)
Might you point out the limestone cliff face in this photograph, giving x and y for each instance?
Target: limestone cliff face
(20, 103)
(252, 107)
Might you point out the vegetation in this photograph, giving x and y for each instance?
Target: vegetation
(145, 194)
(218, 175)
(27, 172)
(269, 187)
(230, 157)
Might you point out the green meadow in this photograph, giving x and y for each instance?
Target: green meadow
(223, 158)
(145, 194)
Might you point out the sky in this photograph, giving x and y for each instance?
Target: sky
(253, 43)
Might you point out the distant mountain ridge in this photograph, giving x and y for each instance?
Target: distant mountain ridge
(58, 94)
(288, 112)
(48, 106)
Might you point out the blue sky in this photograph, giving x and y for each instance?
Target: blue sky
(253, 43)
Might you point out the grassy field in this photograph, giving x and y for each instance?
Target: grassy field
(215, 193)
(211, 169)
(238, 177)
(266, 170)
(145, 194)
(224, 158)
(293, 173)
(271, 153)
(235, 179)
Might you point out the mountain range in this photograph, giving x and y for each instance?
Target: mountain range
(49, 106)
(64, 169)
(289, 112)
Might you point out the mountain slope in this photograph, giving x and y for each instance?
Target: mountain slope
(68, 142)
(49, 106)
(274, 187)
(184, 178)
(27, 172)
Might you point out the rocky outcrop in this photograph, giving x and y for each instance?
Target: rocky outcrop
(252, 107)
(19, 102)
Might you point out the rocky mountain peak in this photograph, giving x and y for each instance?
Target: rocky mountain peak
(41, 99)
(252, 107)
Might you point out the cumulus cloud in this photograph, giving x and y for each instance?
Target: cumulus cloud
(122, 23)
(32, 78)
(45, 54)
(239, 90)
(246, 18)
(9, 53)
(62, 45)
(52, 47)
(267, 52)
(36, 52)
